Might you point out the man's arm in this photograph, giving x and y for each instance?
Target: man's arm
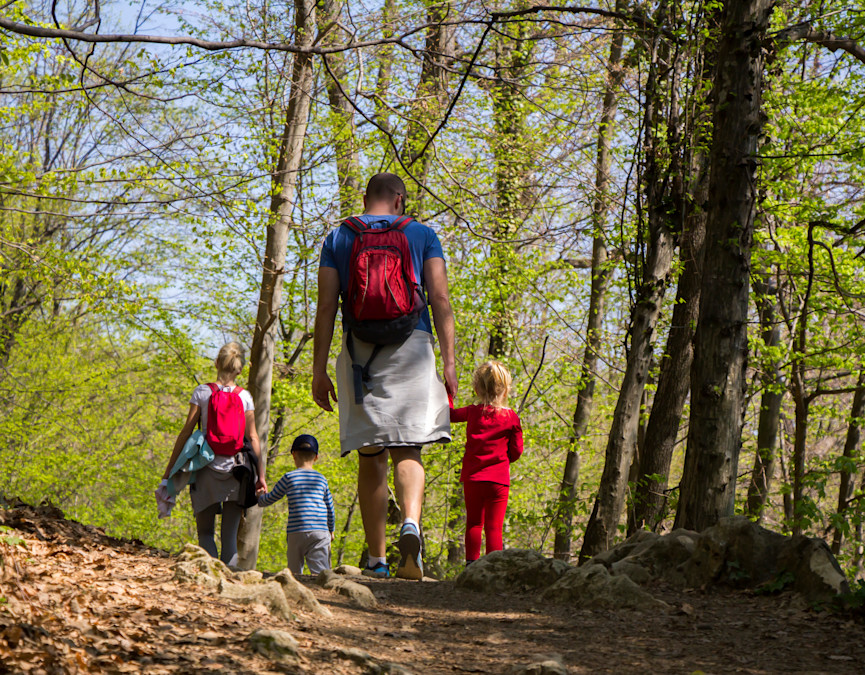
(325, 316)
(436, 280)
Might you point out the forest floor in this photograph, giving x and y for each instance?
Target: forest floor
(73, 600)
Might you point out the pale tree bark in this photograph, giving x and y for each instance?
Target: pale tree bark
(342, 115)
(721, 343)
(770, 402)
(597, 296)
(654, 278)
(851, 447)
(430, 101)
(512, 156)
(284, 180)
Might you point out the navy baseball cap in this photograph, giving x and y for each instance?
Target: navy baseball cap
(305, 442)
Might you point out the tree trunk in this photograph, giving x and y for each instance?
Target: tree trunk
(851, 447)
(342, 116)
(430, 100)
(622, 440)
(721, 343)
(284, 180)
(512, 164)
(770, 404)
(600, 280)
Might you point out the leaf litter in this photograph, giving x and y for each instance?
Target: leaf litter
(76, 600)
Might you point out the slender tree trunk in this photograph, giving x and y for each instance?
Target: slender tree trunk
(600, 280)
(770, 403)
(622, 440)
(342, 115)
(512, 161)
(431, 99)
(851, 446)
(718, 382)
(284, 181)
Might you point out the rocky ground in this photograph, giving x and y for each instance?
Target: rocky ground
(73, 600)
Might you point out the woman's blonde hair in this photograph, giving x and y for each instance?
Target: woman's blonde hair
(231, 358)
(492, 384)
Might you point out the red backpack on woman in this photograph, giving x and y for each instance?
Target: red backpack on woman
(226, 421)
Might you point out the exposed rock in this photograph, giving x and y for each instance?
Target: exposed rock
(815, 572)
(299, 595)
(195, 566)
(247, 576)
(274, 644)
(593, 587)
(268, 594)
(349, 570)
(551, 665)
(636, 542)
(735, 552)
(359, 595)
(512, 570)
(370, 665)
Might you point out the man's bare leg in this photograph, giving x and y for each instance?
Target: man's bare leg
(372, 497)
(408, 481)
(408, 478)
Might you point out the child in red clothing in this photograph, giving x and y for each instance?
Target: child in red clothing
(494, 439)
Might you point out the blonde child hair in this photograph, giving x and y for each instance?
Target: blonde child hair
(231, 359)
(492, 384)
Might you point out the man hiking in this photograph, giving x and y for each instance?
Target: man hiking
(389, 270)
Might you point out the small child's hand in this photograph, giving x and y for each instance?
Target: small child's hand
(259, 492)
(332, 536)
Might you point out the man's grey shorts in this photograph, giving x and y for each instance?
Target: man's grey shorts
(314, 547)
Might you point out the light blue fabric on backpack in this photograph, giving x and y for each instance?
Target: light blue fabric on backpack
(195, 455)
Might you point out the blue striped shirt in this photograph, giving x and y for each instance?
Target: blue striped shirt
(310, 504)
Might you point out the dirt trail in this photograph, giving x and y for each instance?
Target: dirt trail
(78, 601)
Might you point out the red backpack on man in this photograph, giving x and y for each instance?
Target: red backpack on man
(226, 421)
(384, 301)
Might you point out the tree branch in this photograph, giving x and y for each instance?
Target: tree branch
(804, 31)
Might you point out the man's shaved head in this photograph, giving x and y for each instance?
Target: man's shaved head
(384, 187)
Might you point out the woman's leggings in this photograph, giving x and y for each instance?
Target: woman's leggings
(486, 504)
(206, 525)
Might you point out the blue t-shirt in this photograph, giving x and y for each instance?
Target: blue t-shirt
(422, 242)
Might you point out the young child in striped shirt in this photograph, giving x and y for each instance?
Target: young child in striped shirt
(310, 509)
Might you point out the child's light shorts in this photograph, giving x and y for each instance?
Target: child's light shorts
(313, 546)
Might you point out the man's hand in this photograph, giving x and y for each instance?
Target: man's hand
(451, 382)
(323, 391)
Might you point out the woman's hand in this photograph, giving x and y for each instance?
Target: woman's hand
(260, 485)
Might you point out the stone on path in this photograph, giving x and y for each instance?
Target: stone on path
(299, 595)
(274, 644)
(593, 587)
(268, 594)
(349, 570)
(511, 570)
(358, 594)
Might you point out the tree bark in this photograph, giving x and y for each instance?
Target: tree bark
(430, 99)
(600, 280)
(851, 446)
(673, 382)
(284, 180)
(622, 440)
(721, 343)
(512, 161)
(770, 404)
(342, 115)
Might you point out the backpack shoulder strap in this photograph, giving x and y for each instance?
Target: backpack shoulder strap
(401, 222)
(355, 224)
(213, 387)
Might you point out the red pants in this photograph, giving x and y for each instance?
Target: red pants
(486, 504)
